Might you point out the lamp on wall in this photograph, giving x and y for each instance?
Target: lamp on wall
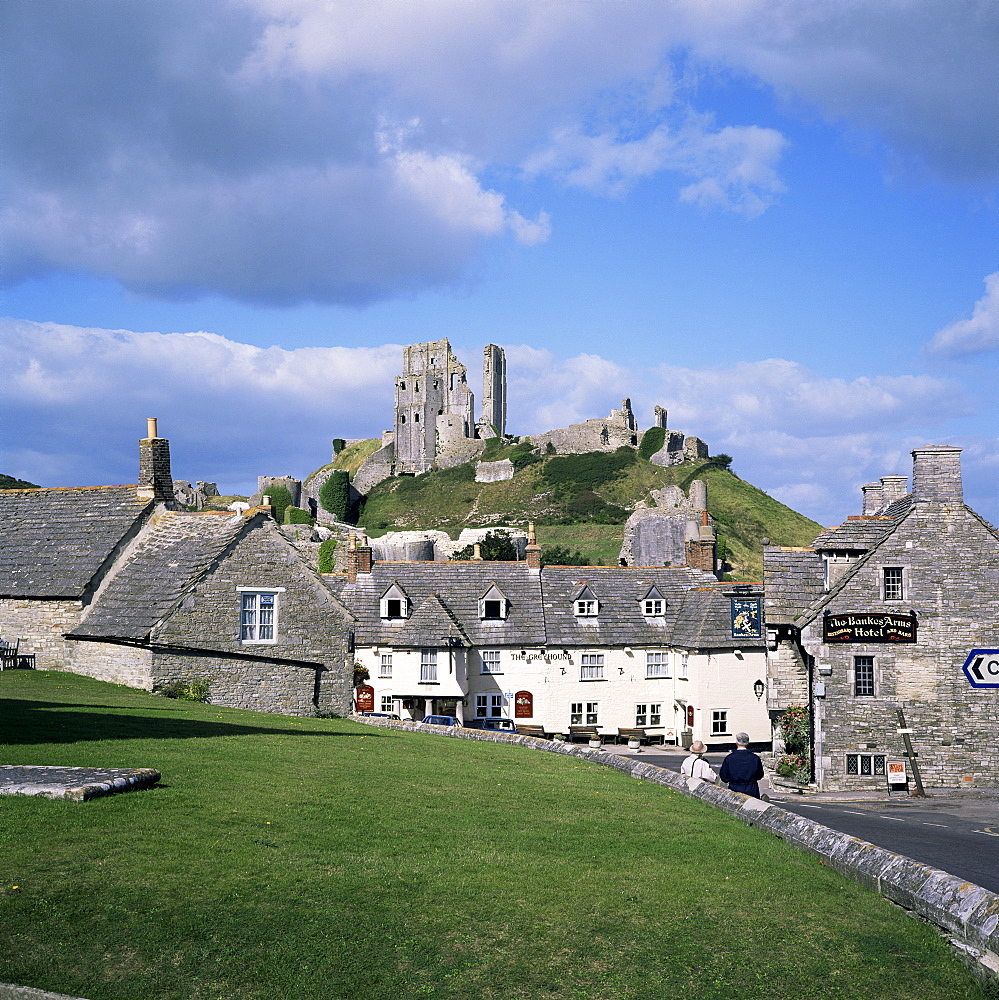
(758, 688)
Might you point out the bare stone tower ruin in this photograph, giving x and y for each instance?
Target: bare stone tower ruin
(492, 423)
(433, 406)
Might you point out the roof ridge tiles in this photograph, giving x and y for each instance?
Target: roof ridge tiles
(52, 489)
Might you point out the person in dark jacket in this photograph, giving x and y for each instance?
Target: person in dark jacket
(742, 769)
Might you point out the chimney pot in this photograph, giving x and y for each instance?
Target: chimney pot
(151, 427)
(155, 475)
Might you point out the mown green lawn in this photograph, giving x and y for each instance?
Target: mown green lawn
(312, 858)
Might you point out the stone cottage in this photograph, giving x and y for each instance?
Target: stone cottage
(114, 583)
(881, 614)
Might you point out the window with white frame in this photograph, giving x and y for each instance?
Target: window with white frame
(488, 706)
(863, 676)
(657, 663)
(388, 705)
(258, 613)
(428, 666)
(394, 603)
(584, 713)
(719, 722)
(893, 583)
(865, 763)
(653, 607)
(490, 659)
(586, 608)
(683, 673)
(591, 667)
(385, 665)
(649, 715)
(492, 605)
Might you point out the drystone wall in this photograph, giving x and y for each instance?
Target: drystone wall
(40, 625)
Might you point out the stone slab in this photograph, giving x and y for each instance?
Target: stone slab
(76, 784)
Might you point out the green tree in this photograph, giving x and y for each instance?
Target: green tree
(559, 555)
(327, 556)
(497, 546)
(723, 461)
(338, 445)
(280, 501)
(334, 495)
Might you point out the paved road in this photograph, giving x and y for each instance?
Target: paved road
(958, 833)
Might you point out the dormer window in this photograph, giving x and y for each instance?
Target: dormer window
(653, 604)
(493, 605)
(586, 604)
(394, 603)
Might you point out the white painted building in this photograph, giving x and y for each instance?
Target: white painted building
(612, 647)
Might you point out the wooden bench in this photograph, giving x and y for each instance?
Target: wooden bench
(584, 732)
(538, 731)
(642, 735)
(12, 659)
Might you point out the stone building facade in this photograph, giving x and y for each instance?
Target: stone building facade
(116, 584)
(880, 614)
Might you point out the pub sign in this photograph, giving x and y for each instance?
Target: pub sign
(851, 627)
(523, 705)
(365, 698)
(747, 622)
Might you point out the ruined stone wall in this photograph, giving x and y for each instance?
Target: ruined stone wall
(599, 434)
(266, 483)
(494, 472)
(494, 389)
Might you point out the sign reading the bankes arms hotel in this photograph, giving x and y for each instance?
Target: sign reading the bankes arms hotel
(869, 628)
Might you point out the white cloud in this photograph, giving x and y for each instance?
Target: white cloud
(976, 335)
(239, 149)
(734, 167)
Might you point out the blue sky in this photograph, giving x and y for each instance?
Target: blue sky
(776, 219)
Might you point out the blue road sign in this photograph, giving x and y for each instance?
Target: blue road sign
(982, 668)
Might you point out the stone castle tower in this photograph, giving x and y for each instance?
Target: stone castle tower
(493, 419)
(433, 406)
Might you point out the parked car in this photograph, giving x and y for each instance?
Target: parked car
(382, 715)
(502, 725)
(440, 720)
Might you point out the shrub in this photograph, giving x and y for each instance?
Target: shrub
(496, 546)
(338, 445)
(327, 556)
(559, 555)
(723, 461)
(589, 471)
(280, 501)
(196, 689)
(295, 515)
(652, 441)
(334, 495)
(795, 729)
(795, 766)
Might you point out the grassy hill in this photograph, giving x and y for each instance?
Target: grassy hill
(10, 483)
(289, 858)
(582, 501)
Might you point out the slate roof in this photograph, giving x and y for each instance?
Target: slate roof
(444, 598)
(793, 579)
(859, 534)
(54, 542)
(173, 553)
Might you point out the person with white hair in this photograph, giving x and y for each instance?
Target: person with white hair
(695, 766)
(742, 768)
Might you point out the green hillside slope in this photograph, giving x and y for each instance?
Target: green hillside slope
(10, 483)
(582, 502)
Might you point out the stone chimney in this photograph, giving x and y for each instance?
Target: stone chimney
(476, 552)
(873, 498)
(936, 474)
(155, 477)
(533, 551)
(358, 558)
(698, 494)
(702, 553)
(893, 488)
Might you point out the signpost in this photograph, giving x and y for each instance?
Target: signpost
(982, 668)
(897, 778)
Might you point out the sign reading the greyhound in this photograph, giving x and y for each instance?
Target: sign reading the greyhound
(982, 668)
(869, 628)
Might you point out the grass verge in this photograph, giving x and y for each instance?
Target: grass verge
(308, 858)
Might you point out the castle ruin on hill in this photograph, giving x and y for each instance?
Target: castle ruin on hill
(434, 426)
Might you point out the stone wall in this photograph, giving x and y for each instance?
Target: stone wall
(113, 662)
(494, 472)
(599, 434)
(266, 483)
(663, 535)
(40, 625)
